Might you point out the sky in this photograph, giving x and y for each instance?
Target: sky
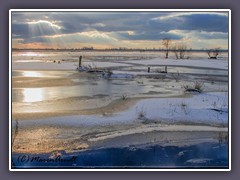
(100, 30)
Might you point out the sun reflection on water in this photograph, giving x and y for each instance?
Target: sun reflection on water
(30, 54)
(31, 74)
(32, 94)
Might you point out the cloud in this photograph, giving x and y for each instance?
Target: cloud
(145, 35)
(35, 28)
(199, 34)
(45, 23)
(181, 14)
(217, 22)
(114, 28)
(65, 40)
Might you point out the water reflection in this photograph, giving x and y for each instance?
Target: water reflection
(87, 89)
(31, 74)
(31, 54)
(41, 73)
(203, 155)
(32, 94)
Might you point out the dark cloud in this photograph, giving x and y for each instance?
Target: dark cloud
(199, 22)
(142, 26)
(30, 31)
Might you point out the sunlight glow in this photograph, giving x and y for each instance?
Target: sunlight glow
(90, 34)
(31, 74)
(32, 94)
(44, 22)
(40, 26)
(30, 54)
(96, 34)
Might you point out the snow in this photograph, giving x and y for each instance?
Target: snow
(199, 161)
(133, 73)
(199, 108)
(155, 127)
(70, 65)
(206, 63)
(103, 64)
(194, 110)
(190, 110)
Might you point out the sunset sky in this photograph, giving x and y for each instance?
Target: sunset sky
(197, 30)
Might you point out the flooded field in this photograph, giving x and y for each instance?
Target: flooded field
(56, 107)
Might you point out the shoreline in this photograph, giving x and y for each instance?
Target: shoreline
(113, 107)
(171, 135)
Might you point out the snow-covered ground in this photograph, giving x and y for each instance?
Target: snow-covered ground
(202, 63)
(196, 109)
(207, 108)
(207, 112)
(153, 101)
(69, 60)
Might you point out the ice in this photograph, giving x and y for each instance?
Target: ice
(158, 110)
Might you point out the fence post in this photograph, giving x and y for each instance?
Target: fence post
(148, 69)
(165, 69)
(80, 61)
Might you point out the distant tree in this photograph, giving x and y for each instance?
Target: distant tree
(179, 51)
(166, 43)
(213, 53)
(175, 51)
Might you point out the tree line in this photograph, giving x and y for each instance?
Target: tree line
(181, 49)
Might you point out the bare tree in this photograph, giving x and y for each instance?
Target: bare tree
(213, 53)
(179, 51)
(182, 51)
(175, 51)
(166, 43)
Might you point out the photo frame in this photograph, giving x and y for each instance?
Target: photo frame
(178, 109)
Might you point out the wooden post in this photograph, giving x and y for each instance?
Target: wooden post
(80, 61)
(148, 69)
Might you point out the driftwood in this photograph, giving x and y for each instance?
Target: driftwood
(95, 71)
(213, 57)
(192, 90)
(165, 71)
(218, 110)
